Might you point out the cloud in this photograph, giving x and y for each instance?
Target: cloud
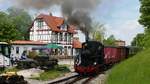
(120, 18)
(125, 30)
(1, 1)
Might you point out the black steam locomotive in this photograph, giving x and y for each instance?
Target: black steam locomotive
(91, 58)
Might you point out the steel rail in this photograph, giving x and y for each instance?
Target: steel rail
(63, 79)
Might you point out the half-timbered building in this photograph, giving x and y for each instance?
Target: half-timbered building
(52, 29)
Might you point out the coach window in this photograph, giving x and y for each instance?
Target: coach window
(0, 49)
(17, 50)
(6, 51)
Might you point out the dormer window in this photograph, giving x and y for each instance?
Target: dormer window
(64, 27)
(39, 23)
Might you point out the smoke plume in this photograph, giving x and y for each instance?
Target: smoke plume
(76, 12)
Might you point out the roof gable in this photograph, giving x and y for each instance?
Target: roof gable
(55, 22)
(51, 21)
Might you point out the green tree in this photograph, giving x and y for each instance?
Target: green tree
(22, 20)
(145, 13)
(138, 40)
(8, 30)
(110, 41)
(145, 21)
(97, 32)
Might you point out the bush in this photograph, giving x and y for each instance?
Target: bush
(32, 54)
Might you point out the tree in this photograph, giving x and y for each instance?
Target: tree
(145, 21)
(97, 32)
(145, 13)
(110, 41)
(8, 30)
(138, 40)
(21, 19)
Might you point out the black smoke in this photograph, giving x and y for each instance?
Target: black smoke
(76, 12)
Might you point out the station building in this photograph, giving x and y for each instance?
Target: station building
(54, 30)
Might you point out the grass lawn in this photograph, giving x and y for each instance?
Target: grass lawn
(10, 69)
(135, 70)
(53, 73)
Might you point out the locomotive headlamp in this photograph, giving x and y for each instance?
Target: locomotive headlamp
(95, 63)
(84, 46)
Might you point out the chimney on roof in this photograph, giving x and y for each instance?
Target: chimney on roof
(50, 14)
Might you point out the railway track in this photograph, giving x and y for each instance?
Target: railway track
(73, 79)
(63, 79)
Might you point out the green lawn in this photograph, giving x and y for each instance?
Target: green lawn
(53, 73)
(10, 69)
(135, 70)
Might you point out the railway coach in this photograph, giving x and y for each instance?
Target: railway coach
(115, 54)
(95, 57)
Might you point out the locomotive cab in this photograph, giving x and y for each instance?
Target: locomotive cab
(90, 58)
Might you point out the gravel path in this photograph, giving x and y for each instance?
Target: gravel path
(31, 81)
(99, 80)
(28, 73)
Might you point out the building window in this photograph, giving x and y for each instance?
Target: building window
(64, 27)
(60, 37)
(53, 36)
(65, 50)
(40, 23)
(25, 48)
(17, 50)
(12, 48)
(69, 38)
(56, 37)
(65, 39)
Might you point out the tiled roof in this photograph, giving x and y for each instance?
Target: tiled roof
(54, 22)
(77, 43)
(24, 42)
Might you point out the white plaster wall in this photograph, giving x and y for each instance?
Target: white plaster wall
(80, 35)
(45, 35)
(21, 49)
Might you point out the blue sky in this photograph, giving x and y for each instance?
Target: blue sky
(120, 17)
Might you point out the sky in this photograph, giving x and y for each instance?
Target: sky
(120, 17)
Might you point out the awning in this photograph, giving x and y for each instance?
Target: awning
(39, 48)
(53, 46)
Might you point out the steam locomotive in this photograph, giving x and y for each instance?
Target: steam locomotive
(90, 59)
(95, 57)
